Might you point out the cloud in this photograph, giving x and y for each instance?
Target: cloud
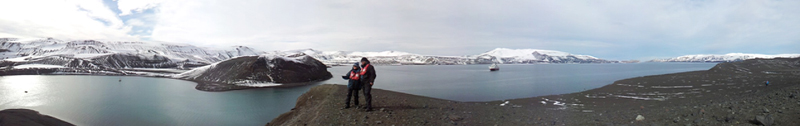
(469, 27)
(624, 29)
(71, 19)
(135, 22)
(133, 6)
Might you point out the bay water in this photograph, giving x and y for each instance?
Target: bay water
(121, 101)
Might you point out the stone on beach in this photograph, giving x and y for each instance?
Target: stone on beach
(639, 118)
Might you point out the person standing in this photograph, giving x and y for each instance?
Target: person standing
(367, 80)
(354, 75)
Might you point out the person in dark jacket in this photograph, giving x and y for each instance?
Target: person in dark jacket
(354, 75)
(367, 80)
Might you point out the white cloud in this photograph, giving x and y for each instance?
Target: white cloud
(135, 22)
(71, 19)
(132, 6)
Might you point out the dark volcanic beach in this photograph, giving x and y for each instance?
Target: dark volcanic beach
(730, 93)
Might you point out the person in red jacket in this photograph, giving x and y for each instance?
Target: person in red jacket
(354, 75)
(367, 80)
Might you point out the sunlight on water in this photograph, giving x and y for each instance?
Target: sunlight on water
(24, 91)
(143, 101)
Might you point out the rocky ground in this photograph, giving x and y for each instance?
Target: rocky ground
(26, 117)
(728, 94)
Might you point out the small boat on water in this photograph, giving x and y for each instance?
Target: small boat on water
(494, 67)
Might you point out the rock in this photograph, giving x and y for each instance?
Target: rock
(27, 117)
(729, 118)
(639, 118)
(766, 110)
(378, 122)
(765, 120)
(455, 118)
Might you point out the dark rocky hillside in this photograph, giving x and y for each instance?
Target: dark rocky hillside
(257, 71)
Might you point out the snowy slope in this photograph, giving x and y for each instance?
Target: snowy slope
(512, 56)
(730, 57)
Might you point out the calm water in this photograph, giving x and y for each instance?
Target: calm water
(141, 101)
(103, 100)
(476, 83)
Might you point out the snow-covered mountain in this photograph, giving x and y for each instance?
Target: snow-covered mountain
(730, 57)
(524, 56)
(117, 54)
(158, 55)
(385, 57)
(499, 55)
(215, 70)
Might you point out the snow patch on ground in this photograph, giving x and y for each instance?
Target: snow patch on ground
(639, 98)
(671, 86)
(269, 57)
(630, 85)
(89, 56)
(504, 103)
(509, 103)
(196, 72)
(46, 66)
(259, 84)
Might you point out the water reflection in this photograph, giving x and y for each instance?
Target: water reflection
(23, 91)
(135, 101)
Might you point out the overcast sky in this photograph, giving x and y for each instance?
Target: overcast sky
(618, 29)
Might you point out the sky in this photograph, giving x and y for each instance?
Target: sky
(613, 29)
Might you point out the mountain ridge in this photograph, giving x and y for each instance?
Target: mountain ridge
(729, 57)
(176, 54)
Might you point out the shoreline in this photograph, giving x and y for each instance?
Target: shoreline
(201, 85)
(722, 95)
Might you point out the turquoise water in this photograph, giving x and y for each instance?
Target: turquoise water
(136, 101)
(142, 101)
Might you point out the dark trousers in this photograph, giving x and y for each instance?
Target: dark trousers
(367, 95)
(352, 92)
